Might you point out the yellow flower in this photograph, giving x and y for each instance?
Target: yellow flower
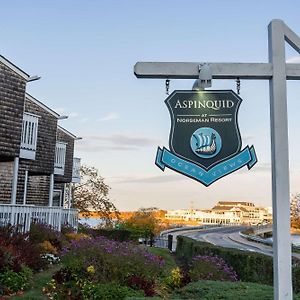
(90, 269)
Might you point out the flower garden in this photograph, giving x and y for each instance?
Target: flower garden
(88, 265)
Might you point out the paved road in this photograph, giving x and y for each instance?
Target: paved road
(229, 237)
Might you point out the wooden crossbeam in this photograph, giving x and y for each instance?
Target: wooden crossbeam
(190, 70)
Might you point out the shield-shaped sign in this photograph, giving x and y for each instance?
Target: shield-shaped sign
(204, 126)
(205, 140)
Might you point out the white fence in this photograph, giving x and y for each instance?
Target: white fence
(60, 158)
(29, 136)
(22, 216)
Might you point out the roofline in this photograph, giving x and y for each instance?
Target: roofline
(42, 105)
(14, 68)
(67, 132)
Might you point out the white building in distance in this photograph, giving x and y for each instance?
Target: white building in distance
(224, 212)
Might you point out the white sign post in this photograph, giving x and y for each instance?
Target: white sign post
(277, 71)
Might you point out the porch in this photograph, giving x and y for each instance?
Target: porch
(22, 216)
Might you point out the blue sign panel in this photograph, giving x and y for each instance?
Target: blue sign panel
(205, 141)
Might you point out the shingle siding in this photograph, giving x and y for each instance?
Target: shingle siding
(6, 175)
(46, 140)
(38, 190)
(12, 95)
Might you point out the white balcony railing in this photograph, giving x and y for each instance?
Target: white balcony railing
(60, 158)
(76, 170)
(22, 216)
(29, 136)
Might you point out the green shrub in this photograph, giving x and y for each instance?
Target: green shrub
(120, 235)
(251, 267)
(205, 267)
(212, 290)
(13, 282)
(109, 291)
(112, 260)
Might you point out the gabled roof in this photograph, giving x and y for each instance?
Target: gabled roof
(218, 207)
(67, 132)
(14, 68)
(42, 105)
(234, 203)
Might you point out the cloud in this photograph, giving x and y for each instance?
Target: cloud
(150, 179)
(84, 147)
(293, 60)
(115, 142)
(109, 117)
(124, 140)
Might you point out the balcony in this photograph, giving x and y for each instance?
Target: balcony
(29, 136)
(22, 216)
(60, 158)
(76, 170)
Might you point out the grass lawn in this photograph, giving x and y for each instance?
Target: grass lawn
(217, 290)
(38, 282)
(214, 290)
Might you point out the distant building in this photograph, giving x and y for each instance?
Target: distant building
(224, 212)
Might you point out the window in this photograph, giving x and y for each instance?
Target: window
(57, 198)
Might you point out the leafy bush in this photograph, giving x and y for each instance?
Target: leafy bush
(211, 268)
(120, 235)
(112, 260)
(47, 247)
(108, 291)
(66, 284)
(251, 267)
(12, 282)
(76, 236)
(177, 278)
(40, 232)
(16, 250)
(140, 283)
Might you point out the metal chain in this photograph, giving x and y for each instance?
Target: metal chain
(167, 86)
(238, 85)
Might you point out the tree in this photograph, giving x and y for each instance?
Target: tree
(143, 224)
(91, 196)
(295, 211)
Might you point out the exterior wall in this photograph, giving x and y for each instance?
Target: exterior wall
(63, 137)
(6, 175)
(38, 190)
(21, 182)
(46, 141)
(12, 95)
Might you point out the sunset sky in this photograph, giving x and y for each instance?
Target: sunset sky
(85, 52)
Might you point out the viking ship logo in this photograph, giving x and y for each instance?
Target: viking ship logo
(206, 142)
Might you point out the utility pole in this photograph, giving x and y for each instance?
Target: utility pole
(277, 71)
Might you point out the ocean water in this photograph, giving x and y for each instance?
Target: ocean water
(296, 239)
(92, 222)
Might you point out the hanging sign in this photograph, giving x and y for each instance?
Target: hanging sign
(205, 141)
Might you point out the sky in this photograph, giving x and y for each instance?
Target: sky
(85, 52)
